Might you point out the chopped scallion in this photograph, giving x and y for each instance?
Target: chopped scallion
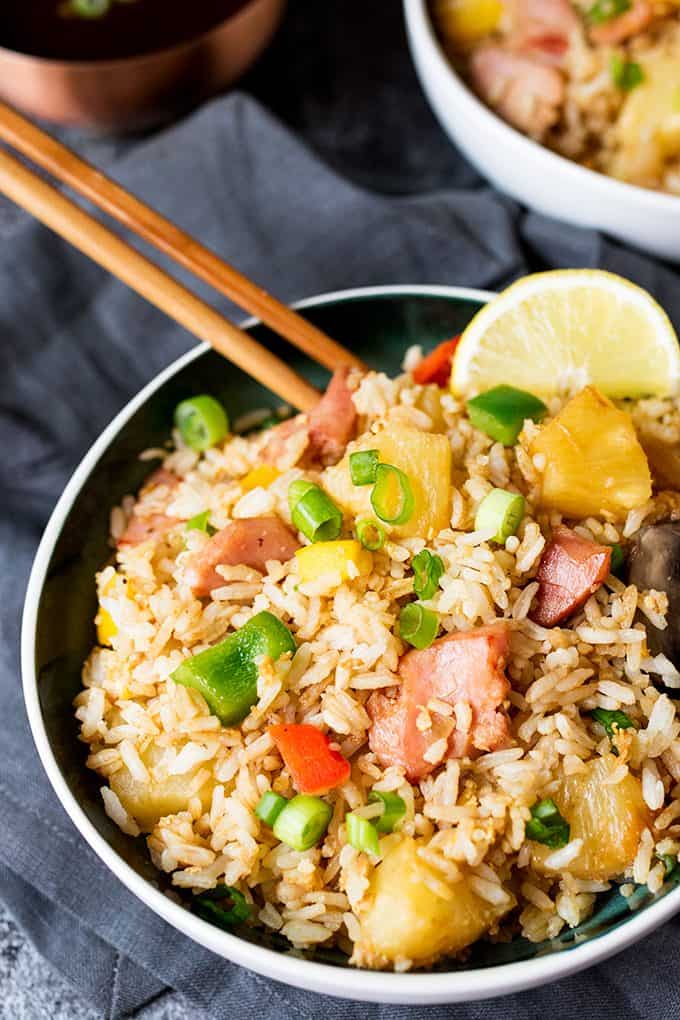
(501, 412)
(618, 559)
(625, 74)
(269, 807)
(418, 626)
(303, 822)
(612, 720)
(313, 512)
(212, 906)
(88, 8)
(392, 496)
(362, 466)
(501, 513)
(393, 813)
(202, 422)
(200, 523)
(428, 568)
(362, 835)
(547, 825)
(371, 534)
(606, 10)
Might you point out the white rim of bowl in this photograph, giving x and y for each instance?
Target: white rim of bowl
(342, 982)
(425, 49)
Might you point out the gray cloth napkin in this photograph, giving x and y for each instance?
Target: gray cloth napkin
(75, 345)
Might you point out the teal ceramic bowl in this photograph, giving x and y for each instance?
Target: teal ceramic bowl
(379, 323)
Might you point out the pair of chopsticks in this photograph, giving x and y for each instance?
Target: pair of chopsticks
(65, 217)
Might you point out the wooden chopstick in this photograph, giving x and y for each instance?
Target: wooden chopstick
(69, 168)
(66, 218)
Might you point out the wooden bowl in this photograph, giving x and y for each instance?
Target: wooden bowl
(138, 91)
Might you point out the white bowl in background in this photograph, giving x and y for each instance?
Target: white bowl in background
(529, 172)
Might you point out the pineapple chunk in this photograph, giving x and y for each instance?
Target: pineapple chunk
(424, 457)
(609, 818)
(148, 802)
(593, 460)
(465, 22)
(651, 112)
(347, 558)
(403, 916)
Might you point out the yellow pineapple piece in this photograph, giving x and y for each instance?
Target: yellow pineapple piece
(347, 558)
(424, 457)
(261, 476)
(147, 802)
(608, 817)
(592, 460)
(412, 912)
(651, 112)
(465, 22)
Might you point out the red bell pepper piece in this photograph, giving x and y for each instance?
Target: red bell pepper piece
(436, 366)
(314, 766)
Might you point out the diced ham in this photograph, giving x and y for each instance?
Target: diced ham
(287, 443)
(332, 421)
(633, 21)
(525, 92)
(161, 476)
(320, 436)
(571, 569)
(250, 542)
(466, 671)
(542, 28)
(142, 527)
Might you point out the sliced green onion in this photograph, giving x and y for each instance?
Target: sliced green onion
(200, 523)
(428, 568)
(362, 466)
(226, 674)
(313, 512)
(625, 74)
(303, 821)
(270, 806)
(89, 8)
(392, 495)
(501, 513)
(394, 810)
(606, 10)
(361, 834)
(547, 825)
(371, 534)
(670, 864)
(207, 906)
(501, 412)
(618, 559)
(417, 625)
(202, 422)
(612, 720)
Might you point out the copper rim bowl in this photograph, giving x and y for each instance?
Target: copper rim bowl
(138, 91)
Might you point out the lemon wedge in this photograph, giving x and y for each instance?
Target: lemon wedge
(563, 330)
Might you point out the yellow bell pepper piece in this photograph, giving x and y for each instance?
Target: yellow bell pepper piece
(348, 558)
(106, 628)
(104, 622)
(262, 476)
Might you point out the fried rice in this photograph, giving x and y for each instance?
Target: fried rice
(595, 80)
(146, 733)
